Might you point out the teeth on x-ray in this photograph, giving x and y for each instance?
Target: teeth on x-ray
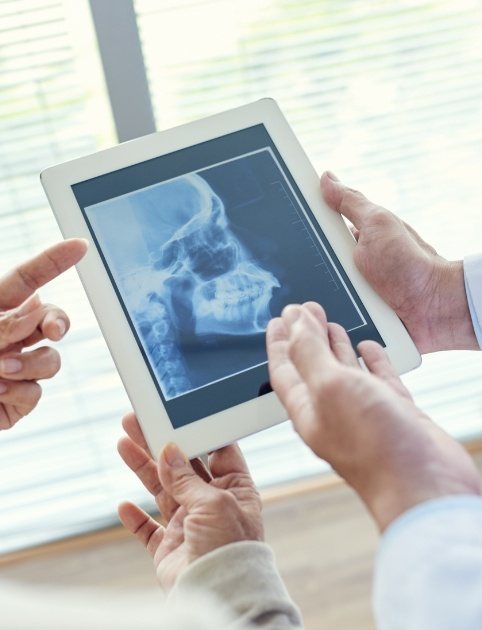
(235, 303)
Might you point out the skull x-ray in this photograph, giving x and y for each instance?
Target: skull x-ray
(203, 266)
(185, 276)
(202, 261)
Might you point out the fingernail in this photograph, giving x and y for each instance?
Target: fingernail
(3, 388)
(275, 326)
(10, 366)
(61, 327)
(174, 456)
(291, 314)
(332, 176)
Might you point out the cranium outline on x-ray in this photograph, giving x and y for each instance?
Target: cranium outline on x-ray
(203, 280)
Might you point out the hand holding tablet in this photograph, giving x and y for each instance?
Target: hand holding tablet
(202, 234)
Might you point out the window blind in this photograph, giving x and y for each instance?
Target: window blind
(386, 94)
(57, 466)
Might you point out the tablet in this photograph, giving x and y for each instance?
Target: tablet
(200, 235)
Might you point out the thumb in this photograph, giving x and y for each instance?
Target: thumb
(181, 482)
(348, 202)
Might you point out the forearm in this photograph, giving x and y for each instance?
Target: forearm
(243, 577)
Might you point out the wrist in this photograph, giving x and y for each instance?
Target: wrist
(436, 473)
(389, 506)
(448, 321)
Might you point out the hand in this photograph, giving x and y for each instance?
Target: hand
(426, 291)
(201, 509)
(364, 423)
(24, 321)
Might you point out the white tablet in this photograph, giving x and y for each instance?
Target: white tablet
(200, 234)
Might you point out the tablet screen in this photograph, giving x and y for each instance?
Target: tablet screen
(203, 247)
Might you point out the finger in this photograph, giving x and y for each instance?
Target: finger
(181, 482)
(22, 394)
(55, 323)
(341, 345)
(282, 373)
(17, 324)
(24, 280)
(350, 203)
(147, 531)
(200, 469)
(132, 428)
(141, 463)
(378, 363)
(22, 324)
(22, 397)
(355, 233)
(309, 348)
(317, 310)
(39, 364)
(228, 460)
(310, 316)
(9, 416)
(284, 377)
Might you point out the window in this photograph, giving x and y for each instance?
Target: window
(387, 94)
(55, 475)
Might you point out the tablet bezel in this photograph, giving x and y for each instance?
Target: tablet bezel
(226, 426)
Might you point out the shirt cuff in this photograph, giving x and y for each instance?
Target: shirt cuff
(428, 570)
(473, 289)
(242, 576)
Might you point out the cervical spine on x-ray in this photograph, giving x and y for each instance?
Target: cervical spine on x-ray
(202, 282)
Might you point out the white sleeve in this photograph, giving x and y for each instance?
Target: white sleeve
(243, 577)
(473, 289)
(428, 573)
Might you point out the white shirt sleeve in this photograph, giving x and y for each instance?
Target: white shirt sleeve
(473, 288)
(428, 573)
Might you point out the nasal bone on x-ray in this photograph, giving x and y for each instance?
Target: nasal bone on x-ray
(201, 280)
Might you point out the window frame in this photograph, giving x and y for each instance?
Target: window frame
(124, 69)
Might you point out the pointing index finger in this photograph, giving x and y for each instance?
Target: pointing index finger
(20, 283)
(309, 346)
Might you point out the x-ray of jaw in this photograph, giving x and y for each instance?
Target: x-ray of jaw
(201, 280)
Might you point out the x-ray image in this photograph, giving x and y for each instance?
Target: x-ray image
(186, 278)
(204, 260)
